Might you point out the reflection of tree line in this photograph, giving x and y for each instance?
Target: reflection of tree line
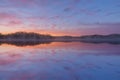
(111, 39)
(24, 39)
(25, 43)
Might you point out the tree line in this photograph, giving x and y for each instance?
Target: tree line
(25, 35)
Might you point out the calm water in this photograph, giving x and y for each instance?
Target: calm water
(60, 61)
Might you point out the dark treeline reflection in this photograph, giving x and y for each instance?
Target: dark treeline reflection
(25, 43)
(101, 42)
(34, 43)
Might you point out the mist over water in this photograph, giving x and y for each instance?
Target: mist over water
(60, 61)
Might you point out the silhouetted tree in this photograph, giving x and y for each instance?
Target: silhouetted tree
(25, 35)
(1, 36)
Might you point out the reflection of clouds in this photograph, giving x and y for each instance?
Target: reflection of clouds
(4, 62)
(67, 61)
(22, 76)
(9, 58)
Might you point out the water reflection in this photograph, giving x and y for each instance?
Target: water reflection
(60, 61)
(25, 43)
(33, 43)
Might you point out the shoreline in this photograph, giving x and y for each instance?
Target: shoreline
(34, 38)
(43, 41)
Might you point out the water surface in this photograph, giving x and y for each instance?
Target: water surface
(60, 61)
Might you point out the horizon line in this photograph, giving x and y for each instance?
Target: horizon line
(55, 35)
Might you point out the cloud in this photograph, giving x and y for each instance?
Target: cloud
(15, 22)
(67, 9)
(10, 20)
(112, 13)
(24, 2)
(4, 15)
(34, 2)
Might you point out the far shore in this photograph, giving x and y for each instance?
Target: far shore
(90, 40)
(24, 37)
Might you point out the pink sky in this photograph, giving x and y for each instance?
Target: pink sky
(60, 17)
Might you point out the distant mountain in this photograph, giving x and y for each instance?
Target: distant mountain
(112, 38)
(102, 36)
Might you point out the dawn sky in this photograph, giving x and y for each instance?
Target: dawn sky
(60, 17)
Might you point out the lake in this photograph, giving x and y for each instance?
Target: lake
(60, 61)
